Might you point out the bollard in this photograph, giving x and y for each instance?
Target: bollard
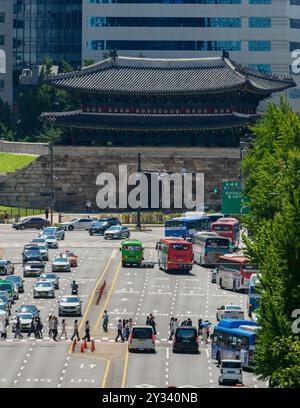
(82, 348)
(93, 348)
(84, 344)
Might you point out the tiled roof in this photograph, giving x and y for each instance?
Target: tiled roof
(123, 75)
(117, 121)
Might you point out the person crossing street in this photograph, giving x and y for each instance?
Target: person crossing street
(105, 321)
(75, 331)
(87, 331)
(120, 329)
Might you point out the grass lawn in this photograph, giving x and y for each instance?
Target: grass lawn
(11, 162)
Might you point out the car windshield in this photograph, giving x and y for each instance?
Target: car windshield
(38, 240)
(142, 333)
(3, 263)
(59, 260)
(51, 237)
(231, 364)
(99, 223)
(115, 228)
(67, 254)
(14, 278)
(32, 253)
(70, 299)
(43, 285)
(233, 308)
(6, 286)
(48, 276)
(30, 309)
(42, 247)
(25, 316)
(186, 334)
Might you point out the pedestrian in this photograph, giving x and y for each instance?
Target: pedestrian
(153, 324)
(50, 325)
(200, 328)
(75, 331)
(32, 328)
(184, 323)
(39, 328)
(130, 325)
(119, 328)
(147, 321)
(87, 331)
(63, 329)
(54, 328)
(3, 330)
(5, 217)
(105, 321)
(47, 213)
(127, 330)
(18, 329)
(175, 324)
(171, 327)
(189, 322)
(89, 205)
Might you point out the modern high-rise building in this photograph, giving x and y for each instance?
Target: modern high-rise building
(258, 33)
(6, 46)
(47, 28)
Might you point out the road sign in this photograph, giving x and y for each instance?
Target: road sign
(231, 197)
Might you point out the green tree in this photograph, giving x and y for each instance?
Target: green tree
(272, 185)
(89, 61)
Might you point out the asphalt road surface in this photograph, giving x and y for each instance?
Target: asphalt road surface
(130, 293)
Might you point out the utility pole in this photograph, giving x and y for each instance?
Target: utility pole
(50, 146)
(139, 170)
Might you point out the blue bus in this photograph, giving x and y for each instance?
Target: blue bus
(253, 296)
(186, 226)
(234, 339)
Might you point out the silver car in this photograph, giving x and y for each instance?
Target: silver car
(58, 232)
(116, 231)
(70, 306)
(43, 289)
(6, 267)
(33, 268)
(50, 277)
(61, 265)
(77, 224)
(51, 241)
(25, 320)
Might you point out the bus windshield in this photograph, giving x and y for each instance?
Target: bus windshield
(180, 247)
(222, 227)
(217, 242)
(175, 224)
(132, 247)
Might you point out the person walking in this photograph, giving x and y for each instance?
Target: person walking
(105, 321)
(5, 217)
(3, 329)
(171, 328)
(32, 328)
(18, 329)
(87, 331)
(119, 329)
(47, 213)
(50, 325)
(63, 329)
(55, 327)
(200, 329)
(147, 321)
(39, 328)
(189, 322)
(75, 331)
(153, 324)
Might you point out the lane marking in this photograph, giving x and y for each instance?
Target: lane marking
(106, 374)
(125, 369)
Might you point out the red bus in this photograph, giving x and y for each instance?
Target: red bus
(234, 272)
(174, 254)
(228, 228)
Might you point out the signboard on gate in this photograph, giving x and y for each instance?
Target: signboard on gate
(231, 197)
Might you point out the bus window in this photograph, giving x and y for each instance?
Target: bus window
(180, 247)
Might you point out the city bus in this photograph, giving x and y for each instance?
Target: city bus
(132, 252)
(253, 296)
(234, 339)
(186, 226)
(215, 217)
(228, 228)
(174, 254)
(208, 247)
(234, 272)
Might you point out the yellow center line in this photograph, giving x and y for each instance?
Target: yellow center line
(92, 297)
(125, 369)
(108, 297)
(105, 374)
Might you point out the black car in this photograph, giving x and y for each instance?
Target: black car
(100, 226)
(32, 255)
(18, 281)
(34, 222)
(186, 340)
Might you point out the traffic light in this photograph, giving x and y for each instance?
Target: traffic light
(215, 190)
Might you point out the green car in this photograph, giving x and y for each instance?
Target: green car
(132, 252)
(6, 286)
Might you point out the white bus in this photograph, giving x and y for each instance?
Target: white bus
(209, 246)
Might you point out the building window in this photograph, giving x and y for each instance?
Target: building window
(294, 46)
(2, 40)
(165, 1)
(295, 2)
(265, 22)
(1, 83)
(295, 23)
(264, 68)
(2, 17)
(259, 46)
(260, 1)
(164, 45)
(164, 22)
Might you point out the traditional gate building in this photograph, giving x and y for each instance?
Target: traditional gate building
(129, 101)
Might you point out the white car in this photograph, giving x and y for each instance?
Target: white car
(77, 224)
(43, 289)
(50, 277)
(61, 265)
(231, 372)
(39, 241)
(33, 268)
(25, 320)
(3, 310)
(58, 232)
(70, 306)
(141, 338)
(230, 312)
(51, 241)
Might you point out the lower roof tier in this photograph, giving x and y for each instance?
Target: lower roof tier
(117, 121)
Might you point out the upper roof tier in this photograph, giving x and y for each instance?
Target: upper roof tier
(145, 76)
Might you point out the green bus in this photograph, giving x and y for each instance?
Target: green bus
(6, 286)
(132, 252)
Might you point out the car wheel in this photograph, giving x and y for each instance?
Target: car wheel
(22, 227)
(70, 228)
(175, 351)
(105, 237)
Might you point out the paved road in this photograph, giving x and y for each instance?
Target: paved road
(130, 292)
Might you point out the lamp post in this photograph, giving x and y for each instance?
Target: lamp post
(139, 210)
(52, 202)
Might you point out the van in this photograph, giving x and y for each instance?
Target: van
(186, 340)
(231, 372)
(141, 338)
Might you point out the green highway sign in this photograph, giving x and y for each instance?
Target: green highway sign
(231, 197)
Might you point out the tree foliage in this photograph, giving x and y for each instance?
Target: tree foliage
(272, 185)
